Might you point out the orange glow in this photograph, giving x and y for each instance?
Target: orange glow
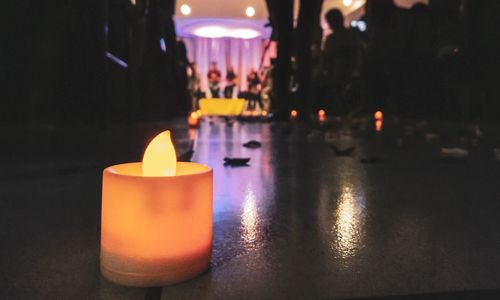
(199, 112)
(293, 114)
(378, 115)
(194, 119)
(155, 230)
(378, 125)
(264, 113)
(321, 115)
(159, 158)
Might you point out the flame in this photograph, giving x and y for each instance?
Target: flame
(159, 158)
(293, 113)
(321, 115)
(378, 115)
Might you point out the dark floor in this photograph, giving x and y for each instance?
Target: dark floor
(299, 222)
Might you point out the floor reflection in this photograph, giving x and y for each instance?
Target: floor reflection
(348, 224)
(249, 217)
(341, 210)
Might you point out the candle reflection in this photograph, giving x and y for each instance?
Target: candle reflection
(348, 225)
(249, 217)
(378, 125)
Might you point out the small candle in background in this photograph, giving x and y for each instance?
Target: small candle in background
(379, 115)
(293, 114)
(321, 115)
(194, 120)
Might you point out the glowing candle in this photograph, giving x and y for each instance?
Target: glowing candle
(293, 114)
(194, 120)
(321, 115)
(156, 225)
(378, 115)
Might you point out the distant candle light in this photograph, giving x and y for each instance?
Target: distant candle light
(194, 120)
(321, 115)
(293, 114)
(379, 115)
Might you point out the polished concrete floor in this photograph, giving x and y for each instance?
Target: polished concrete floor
(299, 222)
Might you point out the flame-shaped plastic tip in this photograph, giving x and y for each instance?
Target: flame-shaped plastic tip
(159, 158)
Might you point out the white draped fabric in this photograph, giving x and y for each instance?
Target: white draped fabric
(242, 54)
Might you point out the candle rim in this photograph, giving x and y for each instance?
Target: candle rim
(112, 170)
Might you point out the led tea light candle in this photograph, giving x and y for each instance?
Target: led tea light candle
(194, 120)
(156, 225)
(321, 115)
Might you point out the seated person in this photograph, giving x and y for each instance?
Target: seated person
(253, 93)
(213, 77)
(231, 81)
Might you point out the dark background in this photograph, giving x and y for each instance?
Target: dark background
(54, 67)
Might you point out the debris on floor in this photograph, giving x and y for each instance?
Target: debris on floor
(236, 162)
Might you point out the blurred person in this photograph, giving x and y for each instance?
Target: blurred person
(213, 76)
(342, 60)
(452, 62)
(253, 92)
(194, 80)
(230, 91)
(267, 85)
(422, 79)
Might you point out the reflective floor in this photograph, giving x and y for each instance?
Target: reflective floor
(298, 222)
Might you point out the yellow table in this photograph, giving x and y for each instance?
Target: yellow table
(222, 107)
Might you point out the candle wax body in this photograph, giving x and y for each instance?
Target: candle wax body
(155, 230)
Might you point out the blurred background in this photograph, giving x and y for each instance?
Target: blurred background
(126, 60)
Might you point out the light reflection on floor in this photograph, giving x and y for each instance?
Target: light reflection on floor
(349, 220)
(249, 217)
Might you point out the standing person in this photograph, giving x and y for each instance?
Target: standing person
(342, 61)
(213, 77)
(230, 91)
(253, 93)
(267, 85)
(194, 84)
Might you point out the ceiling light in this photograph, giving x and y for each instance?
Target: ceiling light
(347, 2)
(250, 11)
(211, 32)
(244, 33)
(185, 9)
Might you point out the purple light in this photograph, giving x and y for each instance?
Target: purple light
(162, 45)
(222, 28)
(116, 60)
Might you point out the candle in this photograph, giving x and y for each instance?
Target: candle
(156, 223)
(194, 120)
(321, 115)
(378, 115)
(293, 114)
